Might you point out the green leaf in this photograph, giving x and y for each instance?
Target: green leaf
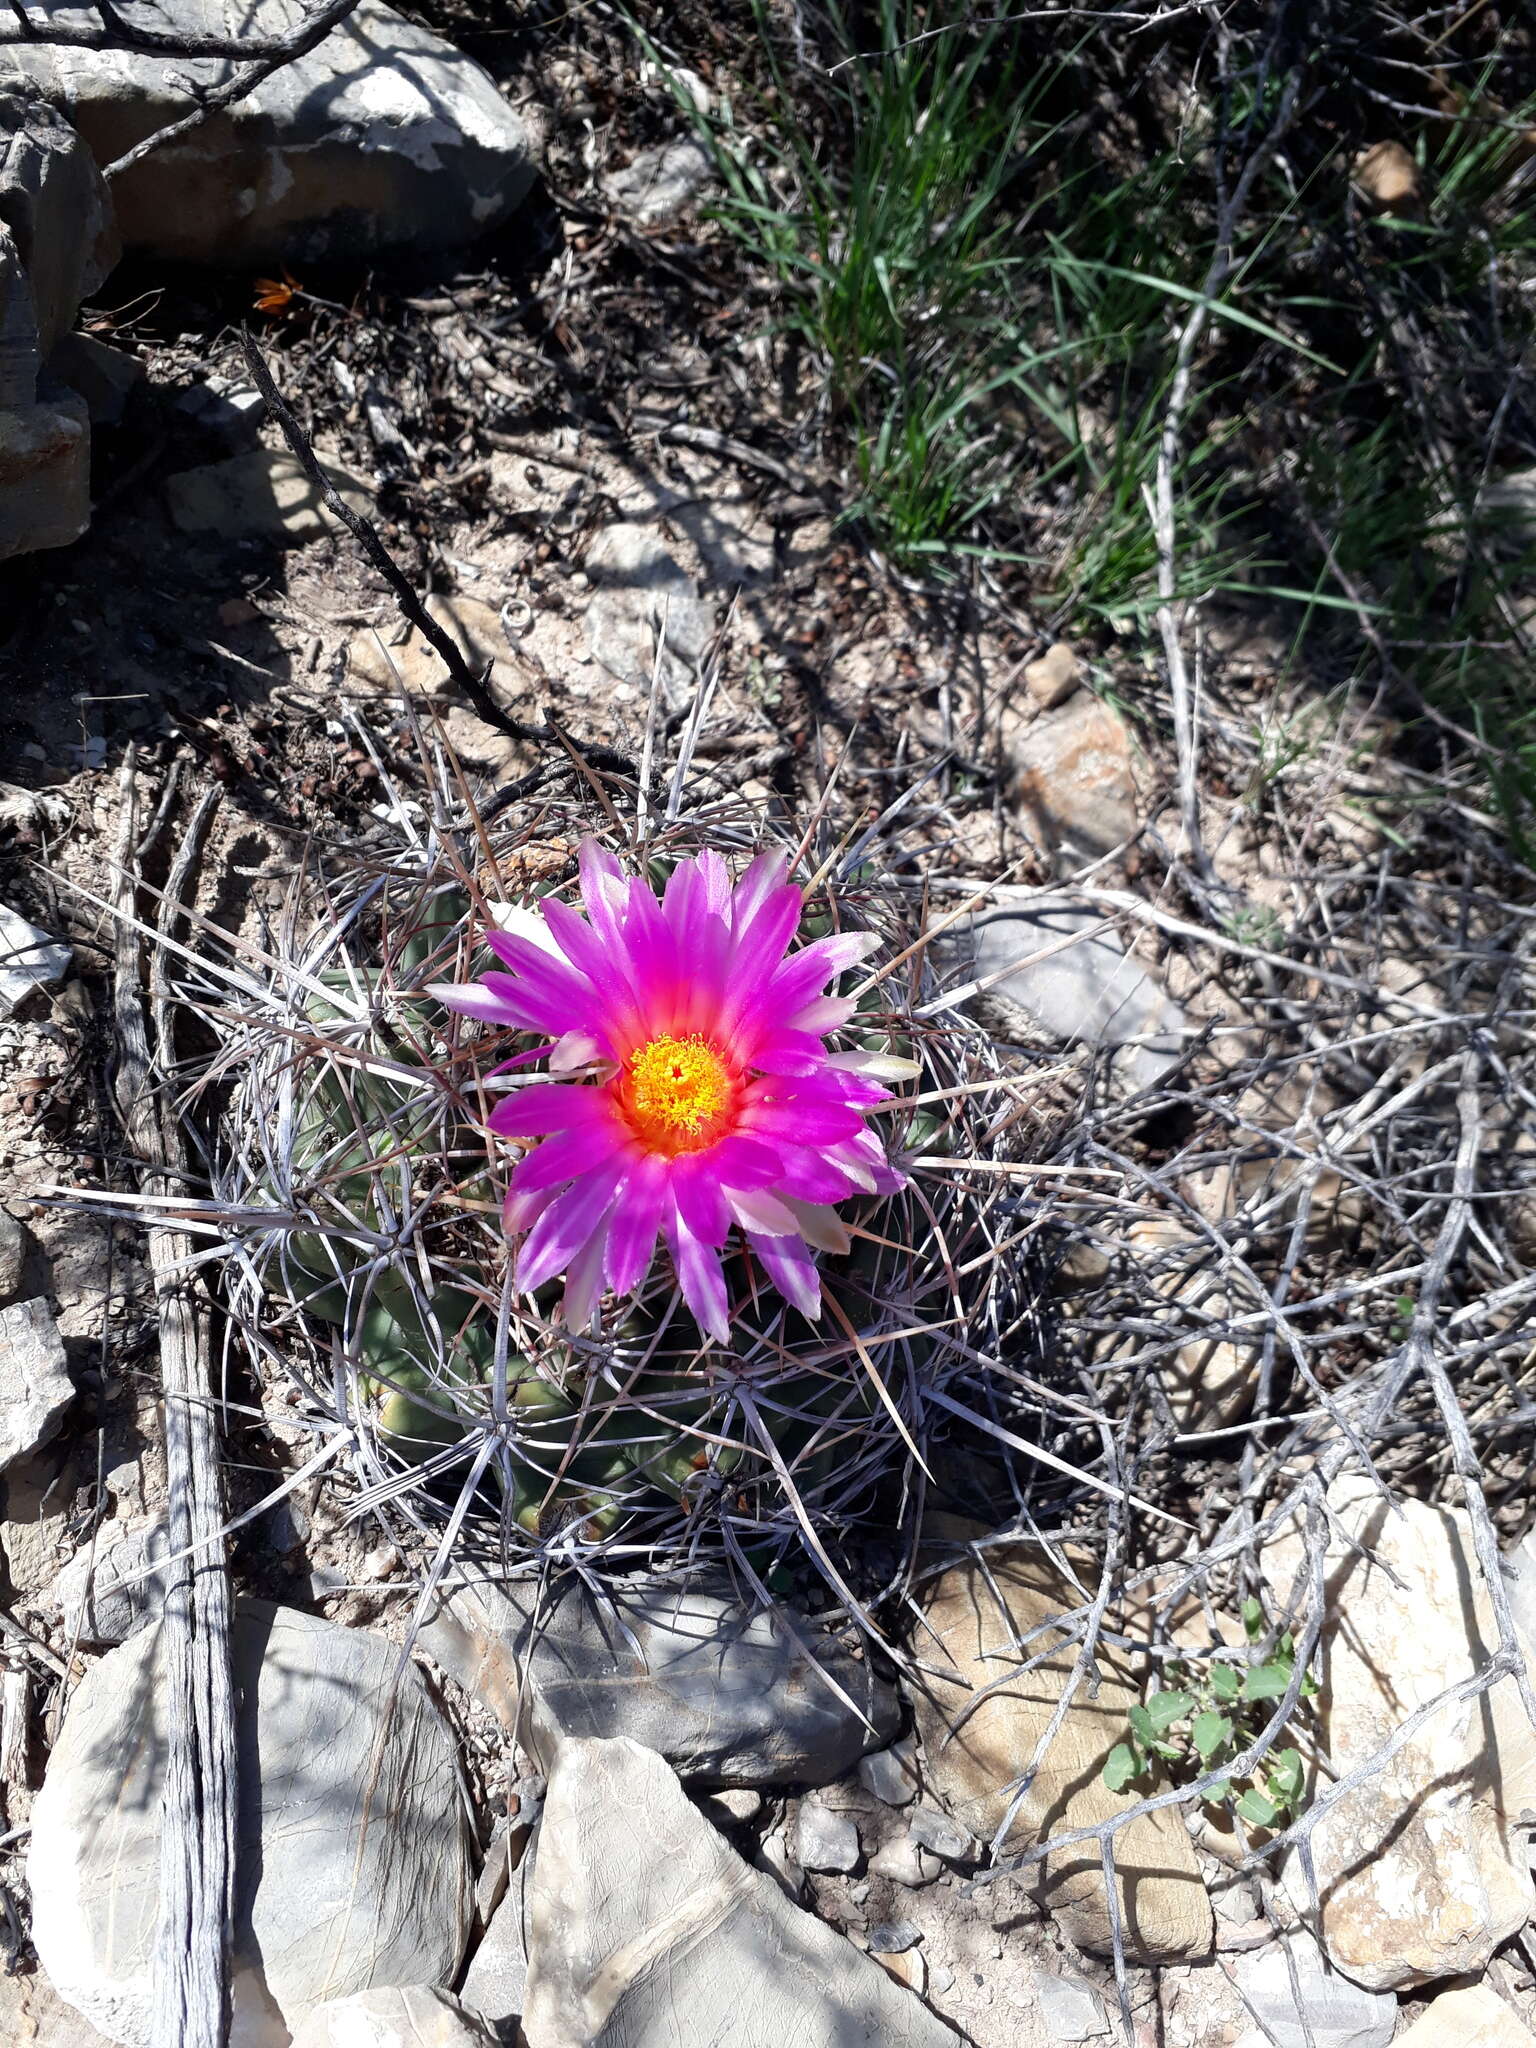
(1225, 1683)
(1218, 1792)
(1253, 1619)
(1217, 307)
(1210, 1733)
(1120, 1767)
(1164, 1708)
(1284, 1774)
(1257, 1810)
(1141, 1721)
(1266, 1681)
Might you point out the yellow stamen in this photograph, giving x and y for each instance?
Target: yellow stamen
(677, 1087)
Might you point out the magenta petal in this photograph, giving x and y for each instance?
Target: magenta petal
(471, 999)
(742, 1162)
(787, 1262)
(794, 1053)
(811, 1177)
(584, 1284)
(558, 1159)
(565, 1227)
(633, 1226)
(699, 1199)
(803, 1123)
(763, 876)
(550, 1106)
(700, 1277)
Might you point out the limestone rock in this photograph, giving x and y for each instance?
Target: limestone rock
(382, 135)
(45, 483)
(29, 959)
(824, 1838)
(351, 1865)
(1087, 991)
(735, 1807)
(972, 1766)
(55, 216)
(57, 243)
(1289, 1989)
(694, 1945)
(399, 2016)
(107, 1594)
(1072, 2009)
(941, 1835)
(1052, 679)
(1074, 781)
(1473, 2017)
(32, 2015)
(906, 1862)
(1388, 176)
(660, 181)
(496, 1982)
(35, 1386)
(13, 1257)
(645, 599)
(261, 496)
(1415, 1870)
(890, 1775)
(730, 1696)
(104, 377)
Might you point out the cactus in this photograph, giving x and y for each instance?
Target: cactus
(375, 1270)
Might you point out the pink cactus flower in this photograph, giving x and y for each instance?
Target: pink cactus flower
(693, 1090)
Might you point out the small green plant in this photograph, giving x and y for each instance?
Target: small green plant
(1185, 1731)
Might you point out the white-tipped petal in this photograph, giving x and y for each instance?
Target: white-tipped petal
(575, 1050)
(820, 1225)
(879, 1066)
(760, 1210)
(522, 923)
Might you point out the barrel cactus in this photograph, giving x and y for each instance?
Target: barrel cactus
(615, 1193)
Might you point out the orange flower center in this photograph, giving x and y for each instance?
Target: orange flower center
(676, 1092)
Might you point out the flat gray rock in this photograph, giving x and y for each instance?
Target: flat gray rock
(35, 1386)
(693, 1945)
(496, 1982)
(57, 238)
(889, 1775)
(644, 600)
(825, 1839)
(13, 1256)
(727, 1694)
(351, 1863)
(261, 496)
(111, 1590)
(382, 135)
(403, 2016)
(1070, 2007)
(659, 182)
(29, 959)
(1339, 2013)
(1087, 991)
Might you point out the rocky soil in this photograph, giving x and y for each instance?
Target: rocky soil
(647, 1814)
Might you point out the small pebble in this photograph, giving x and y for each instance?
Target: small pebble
(890, 1937)
(905, 1862)
(945, 1837)
(1053, 678)
(825, 1840)
(889, 1776)
(735, 1807)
